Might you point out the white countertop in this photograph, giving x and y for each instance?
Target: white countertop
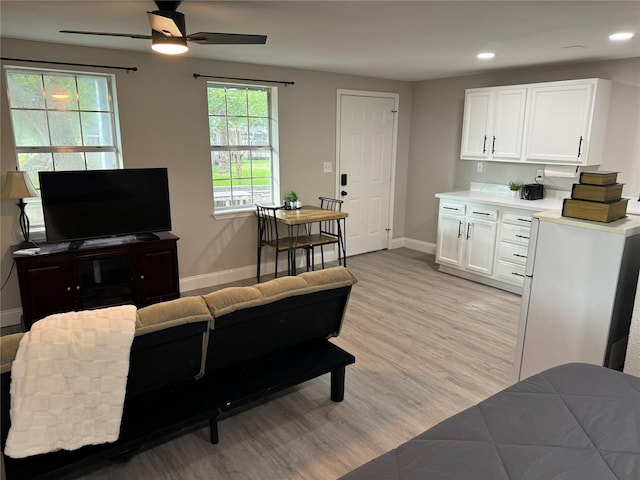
(550, 202)
(630, 225)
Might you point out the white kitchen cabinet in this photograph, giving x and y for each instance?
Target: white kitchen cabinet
(513, 242)
(480, 239)
(467, 237)
(561, 123)
(493, 124)
(565, 122)
(450, 233)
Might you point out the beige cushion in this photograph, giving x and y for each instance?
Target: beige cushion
(171, 314)
(228, 300)
(8, 349)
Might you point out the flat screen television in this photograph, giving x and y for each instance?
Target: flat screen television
(86, 204)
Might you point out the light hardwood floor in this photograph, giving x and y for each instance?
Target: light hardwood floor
(427, 345)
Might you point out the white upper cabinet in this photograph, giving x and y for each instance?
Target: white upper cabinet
(493, 124)
(566, 122)
(555, 122)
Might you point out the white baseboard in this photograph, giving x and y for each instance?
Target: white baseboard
(418, 245)
(235, 274)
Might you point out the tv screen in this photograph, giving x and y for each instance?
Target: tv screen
(84, 204)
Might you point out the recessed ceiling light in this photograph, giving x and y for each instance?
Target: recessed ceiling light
(486, 55)
(621, 36)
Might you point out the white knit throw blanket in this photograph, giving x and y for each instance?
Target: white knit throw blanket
(68, 381)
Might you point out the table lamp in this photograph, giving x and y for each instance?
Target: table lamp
(18, 185)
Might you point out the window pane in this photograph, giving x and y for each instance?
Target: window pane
(25, 90)
(238, 131)
(258, 131)
(216, 101)
(220, 166)
(261, 164)
(240, 167)
(96, 129)
(30, 128)
(218, 131)
(69, 161)
(101, 160)
(236, 101)
(34, 163)
(258, 103)
(93, 93)
(34, 211)
(65, 128)
(61, 92)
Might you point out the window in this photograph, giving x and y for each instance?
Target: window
(243, 141)
(62, 121)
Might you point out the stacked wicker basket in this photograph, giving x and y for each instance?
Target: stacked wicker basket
(597, 197)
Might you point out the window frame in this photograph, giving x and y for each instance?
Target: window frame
(35, 204)
(272, 145)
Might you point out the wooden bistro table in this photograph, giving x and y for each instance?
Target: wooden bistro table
(309, 215)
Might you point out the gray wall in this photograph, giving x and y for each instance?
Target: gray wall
(163, 121)
(436, 129)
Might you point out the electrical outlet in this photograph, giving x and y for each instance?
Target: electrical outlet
(480, 167)
(539, 175)
(328, 167)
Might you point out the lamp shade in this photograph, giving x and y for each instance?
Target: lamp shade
(18, 185)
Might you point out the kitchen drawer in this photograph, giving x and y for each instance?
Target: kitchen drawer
(513, 253)
(523, 219)
(483, 212)
(515, 234)
(510, 272)
(453, 208)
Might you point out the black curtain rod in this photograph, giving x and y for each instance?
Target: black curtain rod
(128, 69)
(197, 75)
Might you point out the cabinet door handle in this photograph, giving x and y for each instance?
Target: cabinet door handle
(77, 287)
(493, 145)
(518, 255)
(522, 236)
(141, 277)
(580, 147)
(524, 220)
(517, 274)
(68, 289)
(484, 145)
(459, 231)
(468, 230)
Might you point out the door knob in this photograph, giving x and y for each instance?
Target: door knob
(343, 193)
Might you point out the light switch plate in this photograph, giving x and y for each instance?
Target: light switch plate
(328, 167)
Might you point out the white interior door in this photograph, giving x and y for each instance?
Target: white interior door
(365, 157)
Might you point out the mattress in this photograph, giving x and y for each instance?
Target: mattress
(572, 422)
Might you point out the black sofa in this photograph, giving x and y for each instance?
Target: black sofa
(195, 357)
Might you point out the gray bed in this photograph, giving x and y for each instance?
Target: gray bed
(572, 422)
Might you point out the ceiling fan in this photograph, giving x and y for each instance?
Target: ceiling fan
(169, 33)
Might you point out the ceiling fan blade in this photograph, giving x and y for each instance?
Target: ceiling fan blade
(211, 38)
(168, 23)
(106, 34)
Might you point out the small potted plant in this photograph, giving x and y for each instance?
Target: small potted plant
(515, 188)
(293, 200)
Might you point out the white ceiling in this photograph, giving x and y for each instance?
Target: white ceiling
(402, 40)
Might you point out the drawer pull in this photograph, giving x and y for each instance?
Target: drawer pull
(518, 255)
(480, 213)
(522, 236)
(451, 208)
(517, 274)
(524, 220)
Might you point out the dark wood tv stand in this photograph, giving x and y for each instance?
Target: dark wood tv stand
(98, 273)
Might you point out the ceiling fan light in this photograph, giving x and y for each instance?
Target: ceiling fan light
(168, 45)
